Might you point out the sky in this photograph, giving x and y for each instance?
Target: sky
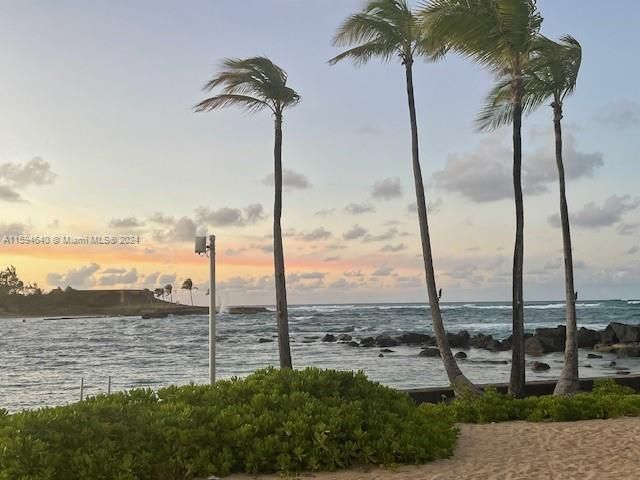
(98, 137)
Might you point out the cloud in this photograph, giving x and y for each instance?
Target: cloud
(234, 251)
(369, 130)
(118, 278)
(619, 114)
(393, 248)
(248, 284)
(387, 189)
(318, 234)
(356, 232)
(410, 282)
(151, 279)
(633, 250)
(76, 277)
(8, 194)
(432, 207)
(184, 230)
(12, 229)
(388, 235)
(161, 219)
(167, 279)
(324, 212)
(225, 216)
(331, 259)
(628, 228)
(296, 278)
(290, 180)
(342, 284)
(129, 222)
(354, 274)
(35, 172)
(382, 272)
(359, 208)
(594, 216)
(485, 175)
(265, 247)
(55, 223)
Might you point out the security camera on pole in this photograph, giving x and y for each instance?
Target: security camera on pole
(201, 248)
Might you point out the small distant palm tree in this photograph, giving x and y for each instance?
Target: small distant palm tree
(389, 30)
(188, 285)
(256, 84)
(501, 35)
(551, 75)
(159, 292)
(168, 288)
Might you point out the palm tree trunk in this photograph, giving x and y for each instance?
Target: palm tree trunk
(458, 381)
(516, 385)
(278, 253)
(191, 296)
(568, 381)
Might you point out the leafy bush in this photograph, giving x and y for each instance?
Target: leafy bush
(607, 400)
(273, 420)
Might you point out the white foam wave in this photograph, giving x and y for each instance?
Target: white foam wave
(633, 302)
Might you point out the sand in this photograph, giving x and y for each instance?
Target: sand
(595, 449)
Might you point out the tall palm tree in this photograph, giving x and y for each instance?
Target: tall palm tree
(188, 285)
(551, 75)
(159, 292)
(169, 289)
(256, 84)
(499, 34)
(388, 29)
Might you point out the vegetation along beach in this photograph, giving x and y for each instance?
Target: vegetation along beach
(386, 239)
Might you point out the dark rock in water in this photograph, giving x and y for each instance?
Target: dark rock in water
(429, 352)
(352, 343)
(380, 355)
(460, 355)
(594, 355)
(147, 316)
(368, 342)
(265, 340)
(623, 372)
(387, 350)
(612, 363)
(587, 366)
(540, 366)
(459, 340)
(588, 338)
(621, 333)
(345, 337)
(386, 341)
(620, 349)
(483, 341)
(534, 346)
(546, 340)
(413, 338)
(329, 338)
(490, 362)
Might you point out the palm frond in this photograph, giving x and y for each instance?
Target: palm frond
(249, 104)
(363, 53)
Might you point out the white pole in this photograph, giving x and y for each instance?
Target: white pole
(212, 309)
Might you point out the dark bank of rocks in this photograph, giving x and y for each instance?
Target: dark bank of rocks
(594, 355)
(387, 350)
(345, 337)
(329, 338)
(620, 349)
(429, 352)
(352, 343)
(265, 340)
(540, 366)
(386, 341)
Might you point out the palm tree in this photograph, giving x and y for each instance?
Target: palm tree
(188, 285)
(169, 289)
(388, 29)
(159, 292)
(499, 34)
(551, 75)
(256, 84)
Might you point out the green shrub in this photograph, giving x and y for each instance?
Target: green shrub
(607, 400)
(273, 420)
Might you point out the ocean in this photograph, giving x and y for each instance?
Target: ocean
(42, 361)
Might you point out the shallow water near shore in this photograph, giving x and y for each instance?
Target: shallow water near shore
(42, 361)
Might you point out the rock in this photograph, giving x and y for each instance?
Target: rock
(352, 343)
(387, 350)
(612, 363)
(534, 346)
(593, 355)
(413, 338)
(459, 340)
(587, 366)
(540, 366)
(329, 338)
(429, 352)
(625, 333)
(620, 349)
(380, 355)
(587, 338)
(368, 342)
(553, 339)
(623, 372)
(265, 340)
(490, 362)
(460, 355)
(386, 341)
(481, 340)
(345, 337)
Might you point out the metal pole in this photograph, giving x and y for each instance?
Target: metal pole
(109, 386)
(81, 388)
(212, 309)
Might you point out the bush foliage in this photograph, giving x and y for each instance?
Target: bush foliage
(607, 400)
(273, 420)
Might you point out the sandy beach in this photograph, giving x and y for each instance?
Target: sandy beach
(595, 449)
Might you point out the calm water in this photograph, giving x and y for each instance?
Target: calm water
(42, 361)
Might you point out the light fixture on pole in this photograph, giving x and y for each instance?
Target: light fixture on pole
(202, 248)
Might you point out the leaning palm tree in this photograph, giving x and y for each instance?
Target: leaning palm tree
(188, 285)
(257, 84)
(388, 29)
(168, 288)
(159, 292)
(499, 34)
(551, 75)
